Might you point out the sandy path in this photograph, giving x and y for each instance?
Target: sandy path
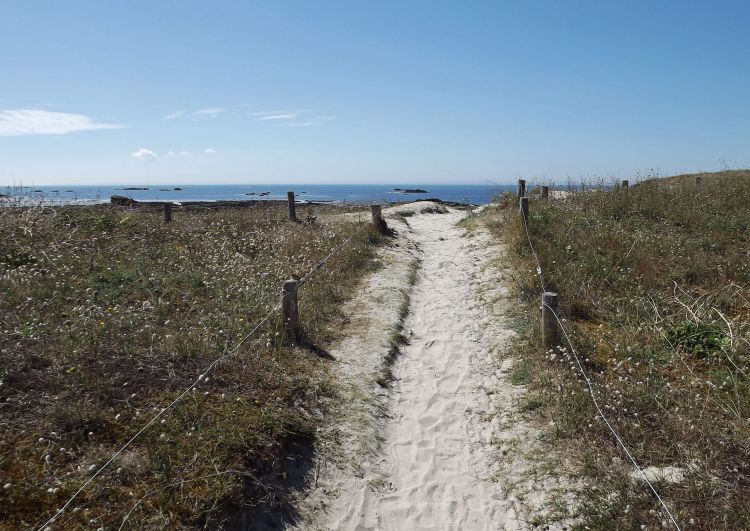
(445, 447)
(431, 478)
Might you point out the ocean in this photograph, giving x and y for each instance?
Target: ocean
(337, 193)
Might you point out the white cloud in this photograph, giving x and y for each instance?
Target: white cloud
(19, 122)
(173, 115)
(278, 115)
(183, 153)
(143, 154)
(285, 116)
(267, 113)
(210, 151)
(317, 120)
(211, 112)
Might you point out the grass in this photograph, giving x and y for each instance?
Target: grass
(107, 314)
(434, 209)
(521, 374)
(398, 339)
(654, 284)
(403, 215)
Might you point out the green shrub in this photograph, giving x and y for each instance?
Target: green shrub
(700, 339)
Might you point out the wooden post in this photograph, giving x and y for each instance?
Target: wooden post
(625, 183)
(290, 200)
(290, 310)
(167, 212)
(545, 192)
(697, 180)
(521, 188)
(525, 209)
(377, 219)
(549, 322)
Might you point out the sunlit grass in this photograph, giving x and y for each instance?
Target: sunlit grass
(107, 314)
(654, 284)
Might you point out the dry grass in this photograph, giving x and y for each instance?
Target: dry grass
(654, 284)
(106, 315)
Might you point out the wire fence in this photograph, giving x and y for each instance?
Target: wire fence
(589, 385)
(203, 375)
(317, 267)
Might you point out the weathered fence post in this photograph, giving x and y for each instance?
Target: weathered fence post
(290, 201)
(377, 219)
(549, 321)
(167, 212)
(521, 188)
(290, 310)
(545, 192)
(625, 183)
(525, 209)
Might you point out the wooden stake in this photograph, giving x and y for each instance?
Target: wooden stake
(549, 322)
(290, 201)
(525, 209)
(545, 192)
(290, 310)
(521, 188)
(377, 219)
(167, 212)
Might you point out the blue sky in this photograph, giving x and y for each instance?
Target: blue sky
(364, 92)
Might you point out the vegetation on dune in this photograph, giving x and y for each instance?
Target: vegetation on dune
(107, 315)
(654, 284)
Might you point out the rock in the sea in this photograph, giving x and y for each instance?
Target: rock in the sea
(410, 190)
(121, 200)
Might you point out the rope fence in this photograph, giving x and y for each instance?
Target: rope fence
(549, 309)
(290, 321)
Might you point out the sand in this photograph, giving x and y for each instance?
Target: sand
(434, 451)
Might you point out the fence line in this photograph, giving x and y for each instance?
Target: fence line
(200, 378)
(320, 264)
(525, 221)
(604, 418)
(553, 311)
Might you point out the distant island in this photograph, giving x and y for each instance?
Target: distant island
(133, 188)
(410, 190)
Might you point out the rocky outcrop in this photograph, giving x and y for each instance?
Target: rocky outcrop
(410, 190)
(121, 200)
